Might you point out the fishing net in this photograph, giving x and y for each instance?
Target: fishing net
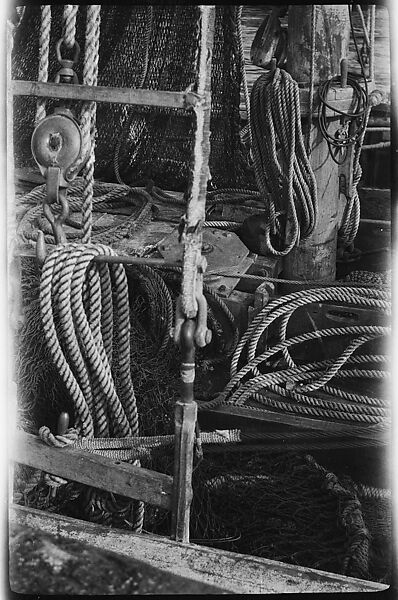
(281, 506)
(149, 143)
(286, 507)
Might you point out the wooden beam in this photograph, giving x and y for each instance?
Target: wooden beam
(314, 259)
(115, 95)
(245, 412)
(94, 470)
(233, 572)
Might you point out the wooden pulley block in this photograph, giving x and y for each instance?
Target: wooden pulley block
(270, 40)
(57, 142)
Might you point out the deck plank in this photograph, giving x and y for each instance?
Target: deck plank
(94, 470)
(236, 573)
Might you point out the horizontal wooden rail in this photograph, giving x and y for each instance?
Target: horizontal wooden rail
(115, 95)
(377, 435)
(94, 470)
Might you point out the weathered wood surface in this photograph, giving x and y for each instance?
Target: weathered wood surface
(253, 16)
(185, 420)
(249, 413)
(233, 572)
(46, 564)
(315, 257)
(196, 205)
(99, 93)
(94, 470)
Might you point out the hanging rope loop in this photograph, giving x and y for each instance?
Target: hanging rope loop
(283, 173)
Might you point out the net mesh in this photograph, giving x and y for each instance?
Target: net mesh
(156, 143)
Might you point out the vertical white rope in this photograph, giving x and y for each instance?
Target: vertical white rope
(90, 77)
(372, 9)
(311, 84)
(192, 282)
(44, 47)
(69, 28)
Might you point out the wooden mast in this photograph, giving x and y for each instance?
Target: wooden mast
(315, 258)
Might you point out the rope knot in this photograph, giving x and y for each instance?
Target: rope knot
(58, 441)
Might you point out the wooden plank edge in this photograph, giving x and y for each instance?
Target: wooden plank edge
(94, 470)
(233, 572)
(116, 95)
(299, 422)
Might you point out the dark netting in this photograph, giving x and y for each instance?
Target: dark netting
(154, 143)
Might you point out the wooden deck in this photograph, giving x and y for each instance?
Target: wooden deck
(228, 571)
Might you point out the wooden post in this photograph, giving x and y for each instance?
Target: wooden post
(315, 257)
(185, 420)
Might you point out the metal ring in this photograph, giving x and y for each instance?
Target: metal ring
(76, 55)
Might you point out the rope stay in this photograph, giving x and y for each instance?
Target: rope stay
(44, 49)
(193, 263)
(90, 77)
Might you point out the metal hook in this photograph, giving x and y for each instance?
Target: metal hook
(58, 221)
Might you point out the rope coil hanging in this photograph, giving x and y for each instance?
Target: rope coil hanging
(281, 164)
(85, 316)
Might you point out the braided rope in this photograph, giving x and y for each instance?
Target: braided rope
(44, 48)
(280, 161)
(90, 77)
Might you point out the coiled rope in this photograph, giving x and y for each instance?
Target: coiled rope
(296, 383)
(85, 315)
(280, 161)
(106, 198)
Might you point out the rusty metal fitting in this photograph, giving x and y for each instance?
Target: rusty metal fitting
(67, 74)
(202, 335)
(58, 221)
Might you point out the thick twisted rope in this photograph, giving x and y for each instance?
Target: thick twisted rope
(105, 199)
(77, 301)
(69, 27)
(90, 77)
(280, 161)
(44, 48)
(296, 383)
(287, 304)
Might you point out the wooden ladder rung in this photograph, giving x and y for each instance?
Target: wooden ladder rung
(115, 95)
(94, 470)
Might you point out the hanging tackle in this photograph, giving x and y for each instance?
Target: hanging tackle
(57, 147)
